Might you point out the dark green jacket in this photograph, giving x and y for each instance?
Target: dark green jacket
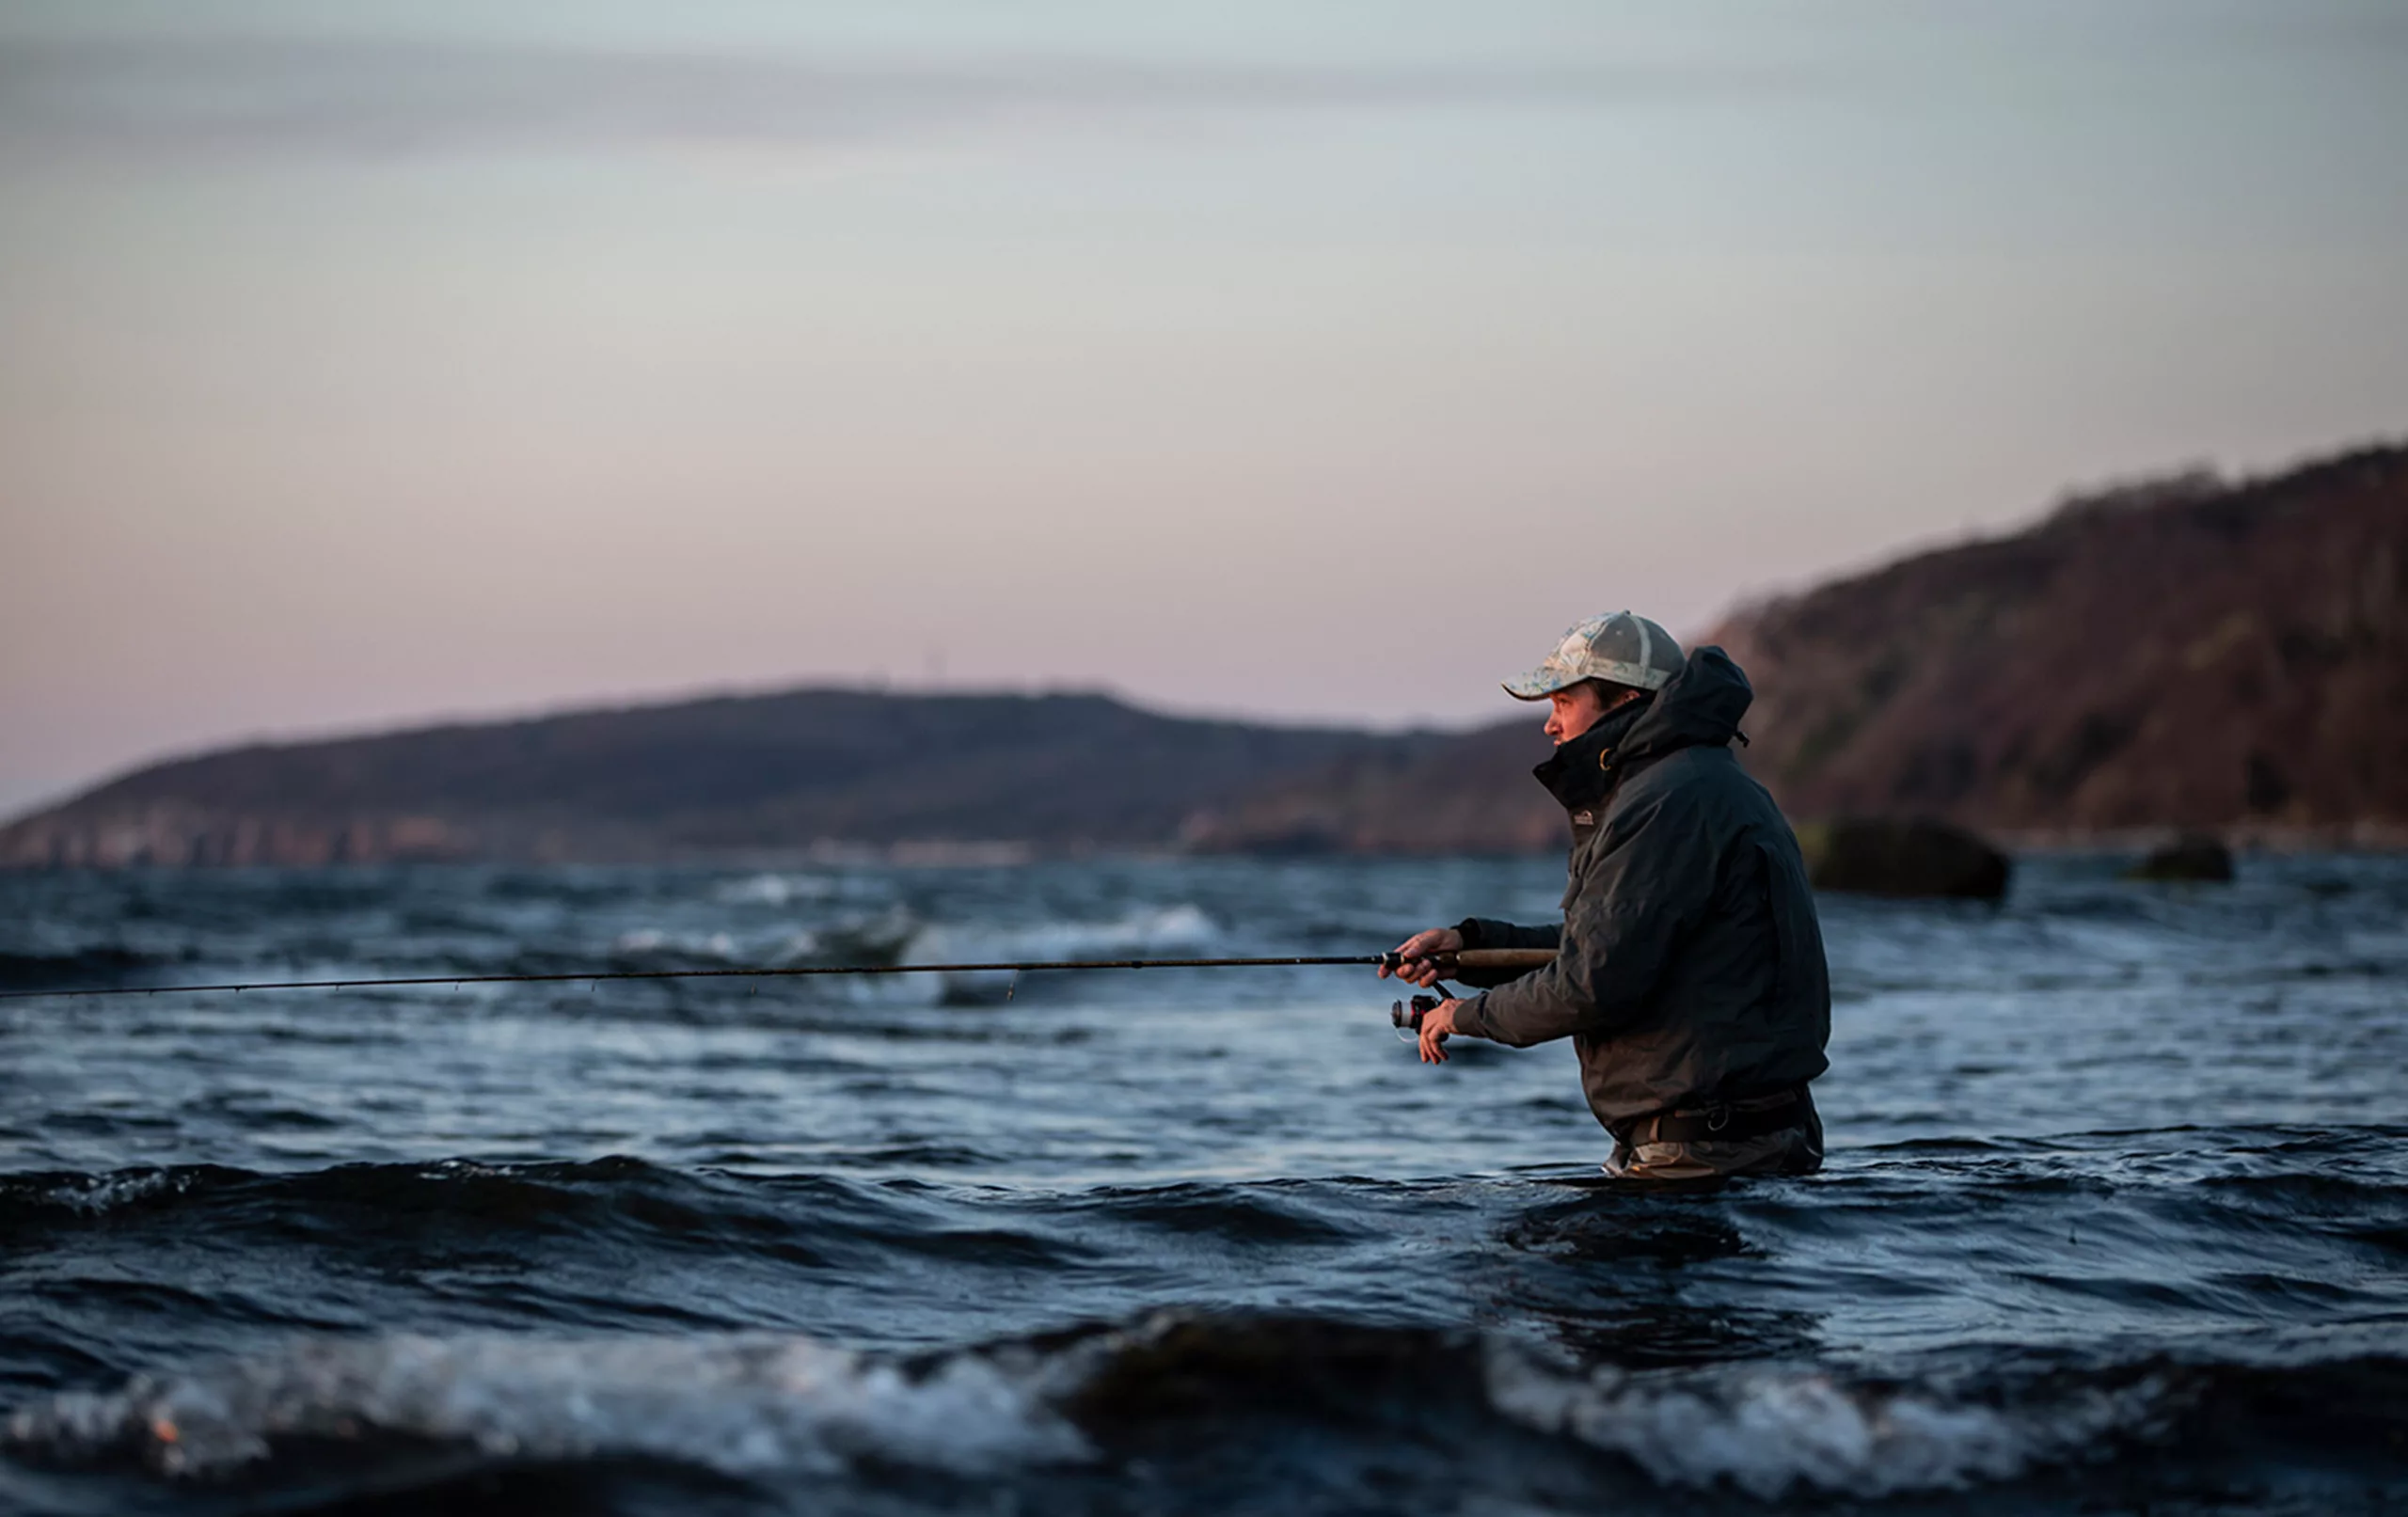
(1690, 966)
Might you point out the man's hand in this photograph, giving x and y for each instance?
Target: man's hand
(1418, 953)
(1436, 1024)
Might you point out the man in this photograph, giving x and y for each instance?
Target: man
(1688, 971)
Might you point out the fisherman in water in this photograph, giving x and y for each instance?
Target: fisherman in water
(1688, 970)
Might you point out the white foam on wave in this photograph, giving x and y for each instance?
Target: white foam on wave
(1157, 931)
(1771, 1431)
(746, 1405)
(899, 935)
(692, 944)
(1171, 931)
(96, 1194)
(756, 1405)
(778, 890)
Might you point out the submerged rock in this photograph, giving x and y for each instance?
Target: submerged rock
(1902, 855)
(2191, 856)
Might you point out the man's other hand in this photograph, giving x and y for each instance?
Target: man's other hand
(1436, 1024)
(1418, 952)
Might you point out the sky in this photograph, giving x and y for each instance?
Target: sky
(380, 362)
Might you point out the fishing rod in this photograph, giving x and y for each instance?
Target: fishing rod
(1469, 958)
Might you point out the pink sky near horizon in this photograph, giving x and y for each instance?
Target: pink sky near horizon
(420, 364)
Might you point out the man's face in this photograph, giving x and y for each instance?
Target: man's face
(1575, 710)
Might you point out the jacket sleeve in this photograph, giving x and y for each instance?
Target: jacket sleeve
(1643, 888)
(1484, 932)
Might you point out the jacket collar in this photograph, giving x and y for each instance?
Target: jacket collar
(1582, 772)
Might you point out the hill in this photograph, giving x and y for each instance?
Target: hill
(2183, 653)
(1455, 793)
(763, 774)
(2180, 653)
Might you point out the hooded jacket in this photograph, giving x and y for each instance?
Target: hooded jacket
(1689, 965)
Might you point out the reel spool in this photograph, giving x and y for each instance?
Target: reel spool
(1406, 1018)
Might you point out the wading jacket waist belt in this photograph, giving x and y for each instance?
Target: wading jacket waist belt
(1723, 1121)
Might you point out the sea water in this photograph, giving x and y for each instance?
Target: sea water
(2116, 1216)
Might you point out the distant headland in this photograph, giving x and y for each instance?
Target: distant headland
(2183, 653)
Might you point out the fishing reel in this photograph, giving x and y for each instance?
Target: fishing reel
(1406, 1018)
(1409, 1017)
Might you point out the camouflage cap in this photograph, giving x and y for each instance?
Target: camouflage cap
(1616, 646)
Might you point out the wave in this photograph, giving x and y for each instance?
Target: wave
(569, 1213)
(650, 948)
(1769, 1432)
(496, 1197)
(1103, 1404)
(800, 1218)
(1162, 931)
(26, 1198)
(1158, 929)
(778, 890)
(867, 939)
(623, 1201)
(900, 937)
(738, 1405)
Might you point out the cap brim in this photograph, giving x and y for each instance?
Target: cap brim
(1537, 685)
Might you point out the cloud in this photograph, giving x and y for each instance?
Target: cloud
(341, 97)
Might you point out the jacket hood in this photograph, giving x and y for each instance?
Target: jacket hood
(1700, 706)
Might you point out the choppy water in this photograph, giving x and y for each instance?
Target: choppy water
(2116, 1217)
